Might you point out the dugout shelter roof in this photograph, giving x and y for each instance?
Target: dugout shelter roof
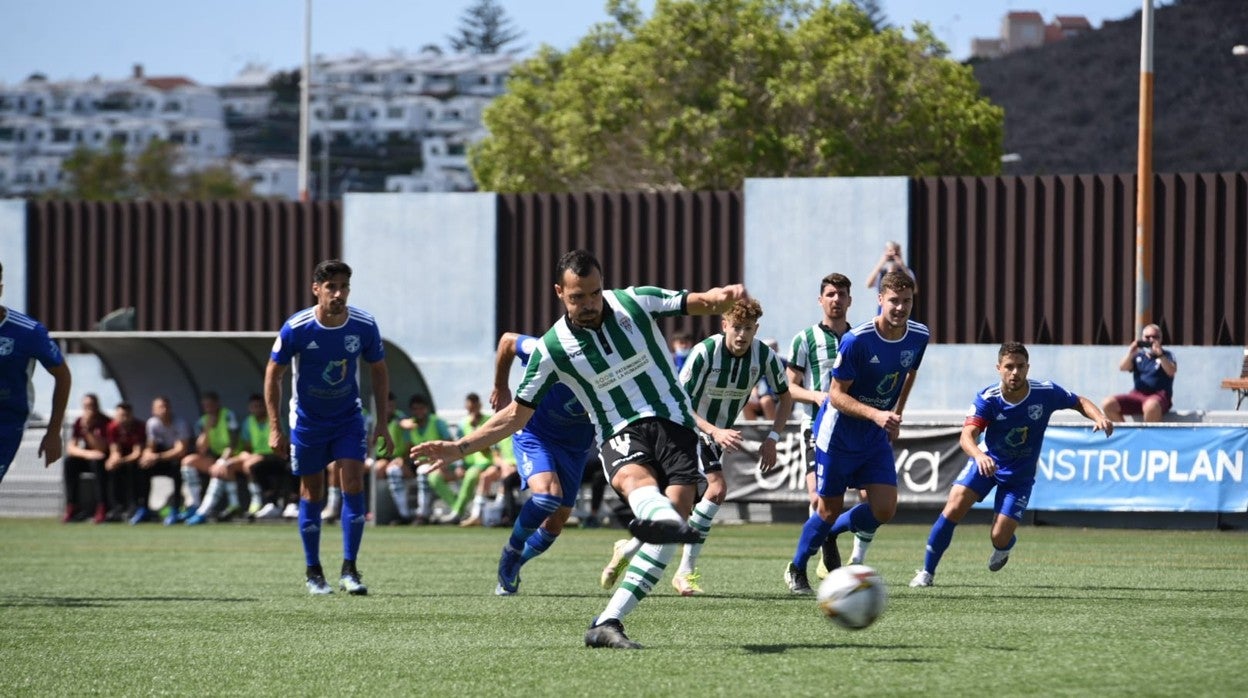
(184, 365)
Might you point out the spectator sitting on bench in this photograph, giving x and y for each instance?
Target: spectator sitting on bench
(1152, 369)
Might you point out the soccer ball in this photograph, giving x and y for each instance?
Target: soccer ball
(853, 596)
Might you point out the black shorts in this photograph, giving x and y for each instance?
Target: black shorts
(711, 455)
(668, 449)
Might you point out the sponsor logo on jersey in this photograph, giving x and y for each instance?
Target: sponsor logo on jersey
(874, 359)
(1000, 416)
(907, 358)
(335, 372)
(352, 342)
(6, 346)
(888, 383)
(1035, 411)
(1017, 436)
(313, 345)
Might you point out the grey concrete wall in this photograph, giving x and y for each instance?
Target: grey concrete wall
(425, 268)
(798, 231)
(951, 374)
(13, 252)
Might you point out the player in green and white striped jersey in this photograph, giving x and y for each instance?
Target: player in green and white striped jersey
(609, 351)
(811, 356)
(718, 375)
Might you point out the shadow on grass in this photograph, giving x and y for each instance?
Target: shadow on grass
(101, 601)
(785, 647)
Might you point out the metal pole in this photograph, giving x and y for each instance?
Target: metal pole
(305, 81)
(1144, 179)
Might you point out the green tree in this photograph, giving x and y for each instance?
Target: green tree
(484, 28)
(97, 175)
(706, 93)
(874, 11)
(105, 175)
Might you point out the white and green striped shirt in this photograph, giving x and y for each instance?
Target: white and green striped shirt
(813, 353)
(620, 372)
(719, 383)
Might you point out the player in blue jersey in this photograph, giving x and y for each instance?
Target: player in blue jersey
(1012, 415)
(324, 344)
(551, 451)
(875, 368)
(23, 341)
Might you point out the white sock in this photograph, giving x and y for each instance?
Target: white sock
(194, 487)
(649, 503)
(335, 495)
(703, 516)
(649, 563)
(861, 542)
(231, 492)
(478, 503)
(209, 498)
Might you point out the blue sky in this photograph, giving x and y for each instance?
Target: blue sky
(210, 41)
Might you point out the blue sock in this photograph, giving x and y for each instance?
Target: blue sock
(532, 514)
(352, 524)
(1008, 546)
(538, 543)
(856, 519)
(814, 532)
(310, 530)
(938, 542)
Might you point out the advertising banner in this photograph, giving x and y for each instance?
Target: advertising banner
(1143, 469)
(928, 460)
(1180, 469)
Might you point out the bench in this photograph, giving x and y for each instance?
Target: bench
(1239, 385)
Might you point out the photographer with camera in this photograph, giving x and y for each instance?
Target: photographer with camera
(1152, 368)
(891, 260)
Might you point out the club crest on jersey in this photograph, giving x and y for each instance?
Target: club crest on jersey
(907, 358)
(352, 342)
(626, 324)
(1035, 412)
(6, 346)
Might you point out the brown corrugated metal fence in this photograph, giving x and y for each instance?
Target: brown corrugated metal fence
(1038, 259)
(677, 240)
(182, 265)
(1051, 259)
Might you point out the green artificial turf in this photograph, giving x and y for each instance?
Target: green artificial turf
(222, 610)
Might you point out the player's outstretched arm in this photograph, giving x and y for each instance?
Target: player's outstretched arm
(1100, 422)
(715, 301)
(504, 423)
(52, 447)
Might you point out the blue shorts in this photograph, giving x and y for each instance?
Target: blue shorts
(312, 452)
(1012, 493)
(10, 441)
(838, 468)
(535, 456)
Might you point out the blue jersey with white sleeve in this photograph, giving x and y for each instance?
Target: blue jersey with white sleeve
(23, 341)
(559, 418)
(325, 366)
(877, 367)
(1013, 432)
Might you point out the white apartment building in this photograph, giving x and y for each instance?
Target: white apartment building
(434, 99)
(42, 123)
